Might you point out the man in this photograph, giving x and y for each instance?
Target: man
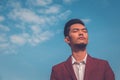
(80, 65)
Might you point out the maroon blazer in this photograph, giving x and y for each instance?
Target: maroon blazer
(95, 69)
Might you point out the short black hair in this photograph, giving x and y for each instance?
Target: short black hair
(69, 23)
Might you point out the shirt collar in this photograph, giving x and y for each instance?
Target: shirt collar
(84, 60)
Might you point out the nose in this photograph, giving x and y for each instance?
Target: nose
(80, 32)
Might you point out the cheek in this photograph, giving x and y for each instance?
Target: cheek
(73, 37)
(86, 35)
(87, 38)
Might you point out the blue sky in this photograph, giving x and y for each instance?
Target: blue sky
(32, 41)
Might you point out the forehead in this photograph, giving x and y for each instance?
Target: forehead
(77, 25)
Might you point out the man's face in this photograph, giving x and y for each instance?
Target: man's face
(77, 35)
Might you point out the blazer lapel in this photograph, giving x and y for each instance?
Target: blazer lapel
(69, 67)
(89, 67)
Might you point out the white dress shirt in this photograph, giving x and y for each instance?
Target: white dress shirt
(79, 68)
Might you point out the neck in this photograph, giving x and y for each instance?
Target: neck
(79, 55)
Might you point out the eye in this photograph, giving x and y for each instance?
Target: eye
(75, 30)
(84, 30)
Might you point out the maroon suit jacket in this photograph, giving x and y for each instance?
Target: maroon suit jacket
(95, 69)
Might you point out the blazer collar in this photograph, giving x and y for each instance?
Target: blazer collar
(88, 68)
(69, 67)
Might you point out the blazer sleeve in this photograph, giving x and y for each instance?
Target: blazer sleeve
(109, 74)
(53, 75)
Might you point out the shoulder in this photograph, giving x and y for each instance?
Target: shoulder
(98, 61)
(63, 64)
(101, 66)
(59, 65)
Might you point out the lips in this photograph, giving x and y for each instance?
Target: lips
(81, 38)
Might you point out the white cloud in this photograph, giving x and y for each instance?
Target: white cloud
(4, 28)
(39, 2)
(4, 47)
(65, 14)
(2, 18)
(17, 39)
(35, 36)
(86, 20)
(43, 2)
(46, 35)
(7, 48)
(69, 1)
(13, 5)
(36, 39)
(30, 25)
(51, 20)
(2, 38)
(51, 10)
(26, 15)
(35, 29)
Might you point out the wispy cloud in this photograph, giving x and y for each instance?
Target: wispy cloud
(54, 9)
(86, 20)
(2, 18)
(35, 29)
(34, 39)
(69, 1)
(39, 2)
(29, 25)
(26, 15)
(7, 48)
(3, 38)
(4, 28)
(18, 39)
(38, 38)
(65, 14)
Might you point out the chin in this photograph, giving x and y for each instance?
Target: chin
(81, 45)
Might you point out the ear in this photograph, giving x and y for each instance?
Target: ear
(67, 39)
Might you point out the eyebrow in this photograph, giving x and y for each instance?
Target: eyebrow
(79, 29)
